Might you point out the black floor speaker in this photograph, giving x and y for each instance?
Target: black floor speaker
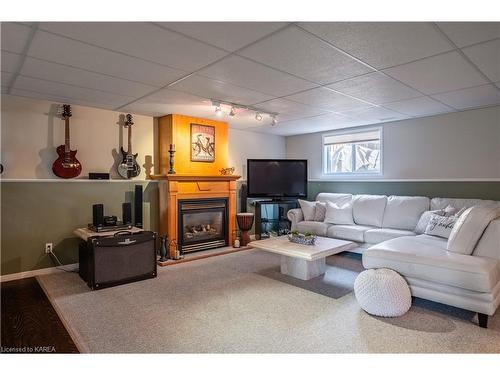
(127, 213)
(138, 206)
(98, 215)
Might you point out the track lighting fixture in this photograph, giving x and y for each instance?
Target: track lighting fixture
(274, 120)
(234, 106)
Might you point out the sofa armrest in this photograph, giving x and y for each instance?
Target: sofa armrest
(295, 215)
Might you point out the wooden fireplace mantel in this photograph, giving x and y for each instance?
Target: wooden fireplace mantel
(175, 187)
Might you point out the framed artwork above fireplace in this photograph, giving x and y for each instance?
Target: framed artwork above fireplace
(202, 143)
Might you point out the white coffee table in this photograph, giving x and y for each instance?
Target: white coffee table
(303, 261)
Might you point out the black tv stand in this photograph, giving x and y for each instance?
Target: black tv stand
(271, 216)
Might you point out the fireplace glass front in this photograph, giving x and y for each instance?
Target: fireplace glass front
(202, 224)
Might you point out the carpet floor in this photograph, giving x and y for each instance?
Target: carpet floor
(240, 303)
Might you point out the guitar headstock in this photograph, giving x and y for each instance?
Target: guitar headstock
(129, 121)
(65, 111)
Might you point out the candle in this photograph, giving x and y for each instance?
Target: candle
(172, 147)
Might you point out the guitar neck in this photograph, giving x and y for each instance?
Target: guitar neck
(129, 150)
(66, 135)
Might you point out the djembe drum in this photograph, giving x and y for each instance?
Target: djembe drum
(245, 222)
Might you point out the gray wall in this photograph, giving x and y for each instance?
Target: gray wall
(34, 213)
(462, 145)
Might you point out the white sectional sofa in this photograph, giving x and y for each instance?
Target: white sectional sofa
(385, 230)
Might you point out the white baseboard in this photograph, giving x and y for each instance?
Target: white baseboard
(41, 271)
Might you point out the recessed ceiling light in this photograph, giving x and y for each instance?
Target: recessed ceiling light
(258, 116)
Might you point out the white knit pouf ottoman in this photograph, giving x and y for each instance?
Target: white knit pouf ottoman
(382, 292)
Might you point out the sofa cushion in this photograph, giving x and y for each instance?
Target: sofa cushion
(369, 209)
(441, 203)
(384, 234)
(348, 232)
(308, 209)
(489, 244)
(426, 258)
(470, 227)
(339, 214)
(404, 212)
(334, 198)
(314, 227)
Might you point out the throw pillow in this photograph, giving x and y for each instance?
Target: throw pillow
(308, 209)
(452, 211)
(440, 226)
(470, 227)
(320, 211)
(336, 214)
(424, 220)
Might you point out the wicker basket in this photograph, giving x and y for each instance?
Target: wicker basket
(302, 239)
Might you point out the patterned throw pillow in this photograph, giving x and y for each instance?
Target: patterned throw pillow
(425, 218)
(320, 211)
(440, 226)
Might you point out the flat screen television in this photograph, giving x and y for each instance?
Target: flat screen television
(276, 178)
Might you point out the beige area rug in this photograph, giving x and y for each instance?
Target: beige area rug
(239, 303)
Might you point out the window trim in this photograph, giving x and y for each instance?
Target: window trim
(350, 175)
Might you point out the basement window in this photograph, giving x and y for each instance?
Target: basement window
(356, 153)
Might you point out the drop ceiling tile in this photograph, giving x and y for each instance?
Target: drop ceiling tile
(142, 40)
(80, 55)
(58, 99)
(324, 98)
(297, 52)
(486, 56)
(376, 88)
(308, 125)
(72, 76)
(214, 89)
(14, 36)
(242, 72)
(467, 33)
(479, 96)
(10, 61)
(70, 92)
(226, 35)
(166, 101)
(446, 72)
(382, 44)
(6, 78)
(284, 106)
(422, 106)
(375, 115)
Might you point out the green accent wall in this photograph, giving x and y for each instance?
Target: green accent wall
(36, 212)
(451, 189)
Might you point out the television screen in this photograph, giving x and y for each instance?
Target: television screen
(277, 178)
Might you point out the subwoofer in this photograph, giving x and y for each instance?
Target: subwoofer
(117, 259)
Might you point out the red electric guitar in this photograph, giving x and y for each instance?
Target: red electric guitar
(66, 165)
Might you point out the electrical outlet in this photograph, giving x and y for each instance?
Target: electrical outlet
(48, 247)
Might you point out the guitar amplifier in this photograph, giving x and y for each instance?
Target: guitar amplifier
(118, 259)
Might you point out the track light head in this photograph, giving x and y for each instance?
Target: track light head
(218, 111)
(233, 112)
(258, 116)
(274, 120)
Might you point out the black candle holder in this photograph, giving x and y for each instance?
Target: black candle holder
(171, 161)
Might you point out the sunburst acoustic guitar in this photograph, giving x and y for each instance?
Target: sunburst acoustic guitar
(66, 165)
